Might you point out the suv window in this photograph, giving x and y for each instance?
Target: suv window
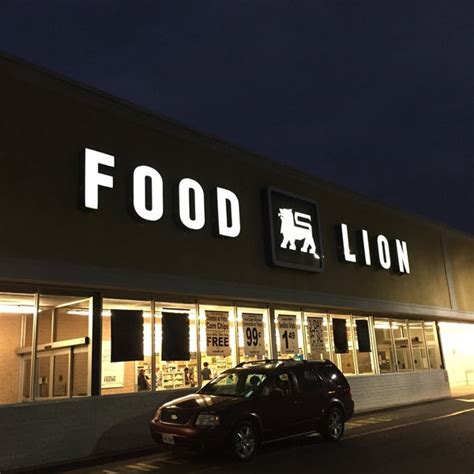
(334, 375)
(235, 384)
(281, 382)
(308, 381)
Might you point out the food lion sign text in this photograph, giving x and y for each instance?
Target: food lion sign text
(217, 333)
(254, 343)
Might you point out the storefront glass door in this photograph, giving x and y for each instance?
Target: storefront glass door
(53, 374)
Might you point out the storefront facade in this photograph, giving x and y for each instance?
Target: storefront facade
(136, 252)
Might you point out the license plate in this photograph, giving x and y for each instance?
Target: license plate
(168, 439)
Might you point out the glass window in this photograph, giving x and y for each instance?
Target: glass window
(432, 343)
(344, 360)
(402, 346)
(176, 373)
(63, 342)
(308, 381)
(126, 376)
(217, 340)
(361, 329)
(385, 350)
(420, 357)
(253, 331)
(282, 383)
(243, 384)
(317, 336)
(289, 336)
(16, 316)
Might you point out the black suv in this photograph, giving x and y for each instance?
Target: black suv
(256, 403)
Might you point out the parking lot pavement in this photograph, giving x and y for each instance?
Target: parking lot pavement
(432, 437)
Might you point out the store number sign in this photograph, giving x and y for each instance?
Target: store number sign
(287, 332)
(254, 343)
(217, 333)
(315, 333)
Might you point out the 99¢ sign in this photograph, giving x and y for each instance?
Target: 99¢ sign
(254, 343)
(287, 332)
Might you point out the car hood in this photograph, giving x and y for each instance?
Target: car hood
(197, 401)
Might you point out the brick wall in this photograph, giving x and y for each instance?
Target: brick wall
(58, 431)
(371, 392)
(9, 360)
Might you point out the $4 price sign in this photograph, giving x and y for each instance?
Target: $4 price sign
(254, 343)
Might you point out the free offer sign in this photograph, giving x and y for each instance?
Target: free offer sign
(217, 333)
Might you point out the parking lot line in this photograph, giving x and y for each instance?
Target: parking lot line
(137, 467)
(412, 423)
(150, 466)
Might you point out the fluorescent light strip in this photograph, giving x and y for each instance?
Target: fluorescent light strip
(17, 309)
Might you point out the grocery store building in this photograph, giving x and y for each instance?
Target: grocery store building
(133, 250)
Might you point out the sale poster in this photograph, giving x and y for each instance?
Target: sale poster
(217, 333)
(287, 333)
(113, 373)
(316, 335)
(254, 341)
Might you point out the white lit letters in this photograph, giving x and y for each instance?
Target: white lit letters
(148, 195)
(224, 197)
(148, 203)
(191, 214)
(348, 255)
(384, 250)
(402, 254)
(93, 178)
(140, 175)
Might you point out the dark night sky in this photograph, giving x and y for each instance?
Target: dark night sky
(377, 96)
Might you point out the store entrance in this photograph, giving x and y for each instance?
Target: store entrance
(62, 356)
(53, 378)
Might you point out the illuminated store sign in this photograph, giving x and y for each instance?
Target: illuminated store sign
(294, 231)
(387, 255)
(148, 200)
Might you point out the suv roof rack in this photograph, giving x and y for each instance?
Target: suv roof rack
(271, 361)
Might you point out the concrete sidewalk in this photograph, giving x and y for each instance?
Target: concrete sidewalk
(462, 390)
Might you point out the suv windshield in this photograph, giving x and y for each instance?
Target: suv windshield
(235, 384)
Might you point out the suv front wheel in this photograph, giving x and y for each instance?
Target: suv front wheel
(244, 441)
(333, 425)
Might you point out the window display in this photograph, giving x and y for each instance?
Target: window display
(126, 376)
(218, 339)
(253, 334)
(431, 336)
(317, 336)
(417, 337)
(402, 345)
(225, 336)
(289, 334)
(182, 371)
(343, 343)
(385, 349)
(363, 345)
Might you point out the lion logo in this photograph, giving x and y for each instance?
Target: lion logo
(297, 226)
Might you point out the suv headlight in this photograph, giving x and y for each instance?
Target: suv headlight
(207, 419)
